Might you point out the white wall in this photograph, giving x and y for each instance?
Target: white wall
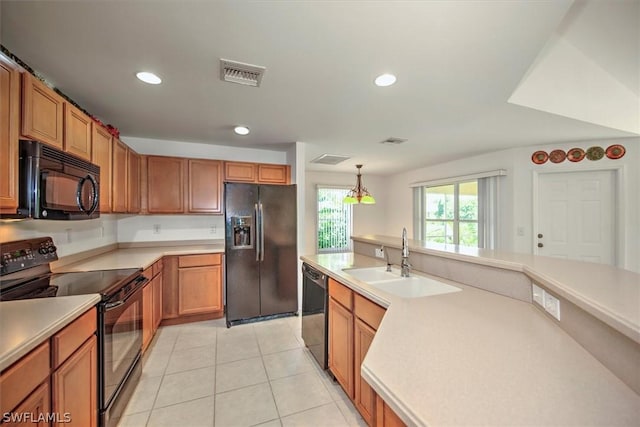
(517, 195)
(69, 236)
(367, 219)
(140, 228)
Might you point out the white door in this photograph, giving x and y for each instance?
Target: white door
(576, 216)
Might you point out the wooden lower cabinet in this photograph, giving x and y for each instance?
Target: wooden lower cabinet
(147, 315)
(192, 288)
(364, 397)
(151, 303)
(75, 387)
(353, 321)
(156, 285)
(56, 383)
(341, 345)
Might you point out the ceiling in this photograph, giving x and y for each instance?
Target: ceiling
(457, 64)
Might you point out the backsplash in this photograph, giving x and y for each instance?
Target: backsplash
(150, 228)
(69, 236)
(72, 237)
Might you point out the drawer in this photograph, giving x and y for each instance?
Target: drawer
(341, 293)
(198, 260)
(370, 312)
(23, 377)
(157, 267)
(68, 340)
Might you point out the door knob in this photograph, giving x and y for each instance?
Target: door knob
(540, 236)
(540, 245)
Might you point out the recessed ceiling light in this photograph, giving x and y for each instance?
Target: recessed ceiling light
(385, 80)
(241, 130)
(150, 78)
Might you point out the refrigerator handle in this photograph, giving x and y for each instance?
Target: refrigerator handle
(257, 231)
(261, 234)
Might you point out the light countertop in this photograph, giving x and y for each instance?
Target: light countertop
(478, 358)
(138, 257)
(25, 324)
(610, 294)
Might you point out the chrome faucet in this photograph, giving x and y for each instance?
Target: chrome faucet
(386, 255)
(405, 267)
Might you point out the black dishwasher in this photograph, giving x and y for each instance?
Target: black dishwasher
(315, 299)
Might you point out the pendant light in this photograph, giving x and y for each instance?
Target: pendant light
(359, 193)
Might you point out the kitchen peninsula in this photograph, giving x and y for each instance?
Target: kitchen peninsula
(478, 357)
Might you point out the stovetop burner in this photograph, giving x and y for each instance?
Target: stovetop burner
(26, 274)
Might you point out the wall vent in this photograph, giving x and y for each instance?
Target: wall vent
(330, 159)
(393, 141)
(241, 73)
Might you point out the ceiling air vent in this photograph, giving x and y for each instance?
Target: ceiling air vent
(238, 72)
(330, 159)
(393, 141)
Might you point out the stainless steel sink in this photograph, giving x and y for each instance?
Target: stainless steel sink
(405, 287)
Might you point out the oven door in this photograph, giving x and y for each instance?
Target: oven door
(121, 338)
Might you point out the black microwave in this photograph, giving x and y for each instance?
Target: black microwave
(56, 185)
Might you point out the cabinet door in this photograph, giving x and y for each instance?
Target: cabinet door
(240, 172)
(147, 315)
(77, 132)
(385, 417)
(273, 174)
(341, 345)
(165, 184)
(365, 397)
(133, 181)
(42, 112)
(157, 301)
(101, 155)
(75, 386)
(37, 405)
(205, 186)
(9, 122)
(119, 178)
(199, 290)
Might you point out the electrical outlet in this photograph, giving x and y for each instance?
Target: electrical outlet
(213, 229)
(552, 305)
(379, 253)
(538, 295)
(68, 230)
(156, 228)
(520, 231)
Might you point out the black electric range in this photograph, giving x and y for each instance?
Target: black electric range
(25, 274)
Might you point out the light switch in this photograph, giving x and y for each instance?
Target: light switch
(538, 295)
(379, 253)
(552, 305)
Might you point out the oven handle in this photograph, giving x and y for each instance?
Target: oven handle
(140, 281)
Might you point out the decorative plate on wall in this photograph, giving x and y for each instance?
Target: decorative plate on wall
(539, 157)
(595, 153)
(557, 156)
(575, 154)
(615, 151)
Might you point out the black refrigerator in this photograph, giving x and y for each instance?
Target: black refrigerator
(260, 251)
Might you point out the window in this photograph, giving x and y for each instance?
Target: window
(334, 220)
(451, 213)
(460, 211)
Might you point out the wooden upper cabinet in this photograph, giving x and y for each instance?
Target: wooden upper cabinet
(119, 178)
(42, 112)
(260, 173)
(165, 184)
(205, 186)
(240, 172)
(9, 130)
(273, 174)
(133, 181)
(102, 155)
(77, 132)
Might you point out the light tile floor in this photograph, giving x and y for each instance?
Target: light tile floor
(203, 374)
